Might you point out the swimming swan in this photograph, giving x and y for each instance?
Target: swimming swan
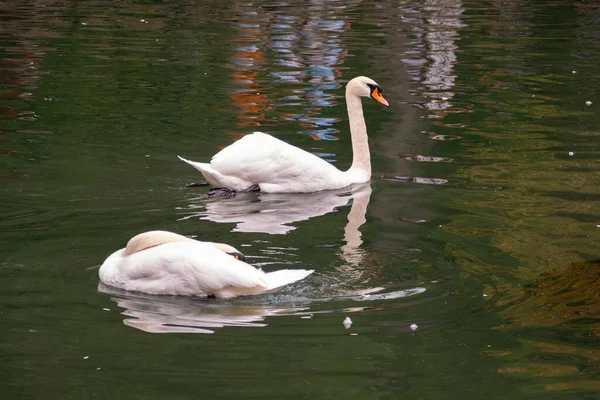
(262, 162)
(161, 262)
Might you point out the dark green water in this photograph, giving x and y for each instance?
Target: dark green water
(479, 225)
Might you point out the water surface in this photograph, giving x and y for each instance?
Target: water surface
(481, 225)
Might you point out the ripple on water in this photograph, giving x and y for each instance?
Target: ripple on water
(421, 158)
(420, 180)
(169, 314)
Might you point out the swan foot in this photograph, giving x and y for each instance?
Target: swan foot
(221, 192)
(211, 296)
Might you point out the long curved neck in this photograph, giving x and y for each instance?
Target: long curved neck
(361, 158)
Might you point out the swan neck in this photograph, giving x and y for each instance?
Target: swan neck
(361, 158)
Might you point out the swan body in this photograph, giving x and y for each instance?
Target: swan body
(160, 262)
(274, 166)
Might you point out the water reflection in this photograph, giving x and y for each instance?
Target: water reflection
(20, 61)
(302, 49)
(420, 158)
(273, 212)
(418, 179)
(247, 62)
(167, 314)
(441, 31)
(562, 305)
(428, 50)
(316, 51)
(20, 76)
(351, 252)
(171, 314)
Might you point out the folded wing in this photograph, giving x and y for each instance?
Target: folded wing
(263, 159)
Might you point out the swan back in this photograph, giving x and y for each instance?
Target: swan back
(179, 268)
(150, 239)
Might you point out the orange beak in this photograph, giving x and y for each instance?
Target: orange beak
(378, 97)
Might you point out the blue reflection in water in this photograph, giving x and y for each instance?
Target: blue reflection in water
(303, 53)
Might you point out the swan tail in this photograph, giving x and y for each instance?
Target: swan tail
(278, 279)
(212, 177)
(202, 167)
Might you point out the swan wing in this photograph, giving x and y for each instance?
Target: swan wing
(275, 165)
(180, 268)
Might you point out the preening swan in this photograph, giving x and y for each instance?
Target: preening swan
(261, 162)
(161, 262)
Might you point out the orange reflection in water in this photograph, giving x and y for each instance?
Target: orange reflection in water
(248, 95)
(250, 100)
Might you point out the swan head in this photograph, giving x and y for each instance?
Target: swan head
(363, 86)
(232, 251)
(237, 255)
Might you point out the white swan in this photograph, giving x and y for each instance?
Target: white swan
(261, 162)
(161, 262)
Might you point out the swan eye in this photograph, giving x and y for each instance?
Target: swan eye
(376, 94)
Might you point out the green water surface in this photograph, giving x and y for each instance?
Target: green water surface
(481, 225)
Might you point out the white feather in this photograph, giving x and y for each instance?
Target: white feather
(278, 167)
(190, 268)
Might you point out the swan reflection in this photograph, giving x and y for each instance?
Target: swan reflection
(171, 314)
(273, 212)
